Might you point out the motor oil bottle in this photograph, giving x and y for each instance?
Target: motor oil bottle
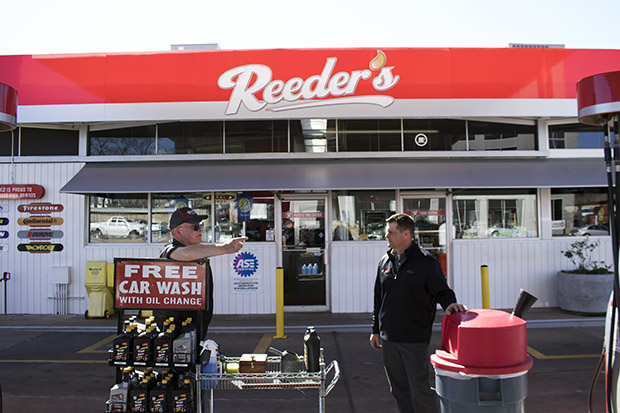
(184, 346)
(162, 353)
(159, 397)
(122, 346)
(143, 346)
(119, 393)
(139, 396)
(183, 398)
(312, 345)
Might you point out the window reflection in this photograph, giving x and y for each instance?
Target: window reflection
(492, 136)
(256, 136)
(163, 205)
(361, 215)
(576, 135)
(434, 135)
(124, 141)
(313, 135)
(579, 212)
(369, 135)
(230, 223)
(495, 214)
(190, 137)
(118, 218)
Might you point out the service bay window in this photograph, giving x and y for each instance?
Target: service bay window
(579, 212)
(495, 214)
(163, 205)
(231, 221)
(361, 215)
(118, 218)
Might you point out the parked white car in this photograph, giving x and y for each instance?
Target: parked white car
(594, 230)
(117, 227)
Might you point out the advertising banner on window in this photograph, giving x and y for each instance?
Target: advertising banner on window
(159, 284)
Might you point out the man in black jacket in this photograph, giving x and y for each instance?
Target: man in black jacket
(408, 287)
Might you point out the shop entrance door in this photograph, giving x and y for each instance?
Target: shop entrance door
(303, 250)
(429, 214)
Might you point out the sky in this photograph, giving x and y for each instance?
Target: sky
(107, 26)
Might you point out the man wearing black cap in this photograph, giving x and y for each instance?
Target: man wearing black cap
(186, 230)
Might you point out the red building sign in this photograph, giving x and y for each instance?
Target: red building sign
(40, 208)
(21, 191)
(159, 284)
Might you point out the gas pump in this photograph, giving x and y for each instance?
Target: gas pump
(598, 100)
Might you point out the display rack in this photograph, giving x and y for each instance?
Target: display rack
(272, 379)
(182, 369)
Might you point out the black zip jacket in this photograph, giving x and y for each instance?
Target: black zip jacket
(406, 301)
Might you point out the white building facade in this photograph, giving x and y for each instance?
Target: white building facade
(305, 152)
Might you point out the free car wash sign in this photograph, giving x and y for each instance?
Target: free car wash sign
(159, 284)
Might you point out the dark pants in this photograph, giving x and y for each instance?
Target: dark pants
(407, 370)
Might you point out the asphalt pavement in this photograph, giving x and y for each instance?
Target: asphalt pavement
(53, 363)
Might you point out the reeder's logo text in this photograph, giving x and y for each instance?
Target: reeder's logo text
(327, 88)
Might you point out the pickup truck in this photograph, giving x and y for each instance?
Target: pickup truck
(118, 227)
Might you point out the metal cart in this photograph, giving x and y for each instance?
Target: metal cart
(272, 379)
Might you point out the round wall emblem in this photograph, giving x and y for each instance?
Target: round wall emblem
(420, 139)
(245, 264)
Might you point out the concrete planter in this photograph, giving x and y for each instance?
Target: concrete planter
(584, 293)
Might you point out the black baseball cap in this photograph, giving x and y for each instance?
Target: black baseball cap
(185, 214)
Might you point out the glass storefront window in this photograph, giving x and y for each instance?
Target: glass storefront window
(8, 143)
(229, 223)
(163, 205)
(118, 218)
(579, 212)
(495, 214)
(361, 215)
(575, 136)
(492, 136)
(313, 135)
(256, 136)
(374, 135)
(124, 141)
(189, 137)
(48, 142)
(434, 135)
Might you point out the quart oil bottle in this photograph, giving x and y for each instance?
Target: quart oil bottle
(163, 344)
(183, 398)
(184, 346)
(122, 346)
(139, 397)
(143, 346)
(119, 393)
(159, 397)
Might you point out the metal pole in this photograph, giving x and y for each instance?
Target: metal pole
(6, 276)
(279, 303)
(484, 275)
(322, 382)
(611, 352)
